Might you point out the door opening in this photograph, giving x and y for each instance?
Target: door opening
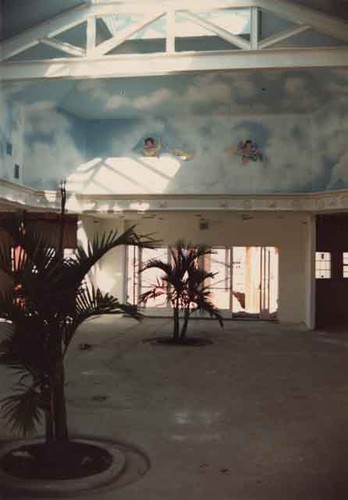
(246, 281)
(245, 284)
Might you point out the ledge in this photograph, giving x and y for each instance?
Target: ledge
(18, 197)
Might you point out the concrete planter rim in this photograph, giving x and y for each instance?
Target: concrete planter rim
(64, 487)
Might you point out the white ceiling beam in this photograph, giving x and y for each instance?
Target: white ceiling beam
(67, 20)
(283, 35)
(217, 30)
(254, 29)
(47, 29)
(112, 43)
(63, 47)
(105, 9)
(91, 34)
(303, 15)
(119, 66)
(170, 30)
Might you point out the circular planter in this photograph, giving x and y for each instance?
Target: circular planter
(65, 487)
(72, 459)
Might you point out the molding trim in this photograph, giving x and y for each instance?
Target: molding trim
(19, 197)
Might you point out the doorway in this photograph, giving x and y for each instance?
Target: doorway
(246, 281)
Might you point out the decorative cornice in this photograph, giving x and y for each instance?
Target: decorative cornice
(16, 197)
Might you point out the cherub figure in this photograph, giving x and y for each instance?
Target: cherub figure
(151, 147)
(249, 151)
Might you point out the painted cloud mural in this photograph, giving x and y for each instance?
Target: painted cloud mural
(93, 133)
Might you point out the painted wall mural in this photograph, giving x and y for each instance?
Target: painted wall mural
(54, 145)
(141, 142)
(154, 148)
(295, 153)
(248, 150)
(11, 140)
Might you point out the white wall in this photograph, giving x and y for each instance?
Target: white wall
(289, 232)
(108, 273)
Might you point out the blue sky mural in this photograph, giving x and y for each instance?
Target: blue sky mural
(11, 137)
(54, 145)
(299, 154)
(243, 92)
(92, 132)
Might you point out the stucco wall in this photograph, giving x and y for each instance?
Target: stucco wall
(108, 273)
(290, 233)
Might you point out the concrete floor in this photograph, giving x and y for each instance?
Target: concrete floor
(261, 414)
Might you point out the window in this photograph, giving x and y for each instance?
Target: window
(140, 283)
(345, 264)
(16, 171)
(322, 265)
(18, 258)
(9, 148)
(69, 253)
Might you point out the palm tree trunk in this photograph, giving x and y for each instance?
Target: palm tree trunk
(176, 321)
(48, 427)
(185, 324)
(47, 396)
(59, 404)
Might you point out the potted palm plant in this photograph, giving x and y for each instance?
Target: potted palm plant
(46, 301)
(184, 284)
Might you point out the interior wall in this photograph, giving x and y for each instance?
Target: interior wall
(301, 153)
(107, 274)
(54, 145)
(287, 232)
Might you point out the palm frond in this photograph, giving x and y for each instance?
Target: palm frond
(5, 259)
(90, 301)
(85, 259)
(167, 268)
(156, 291)
(205, 305)
(24, 349)
(183, 281)
(46, 301)
(23, 410)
